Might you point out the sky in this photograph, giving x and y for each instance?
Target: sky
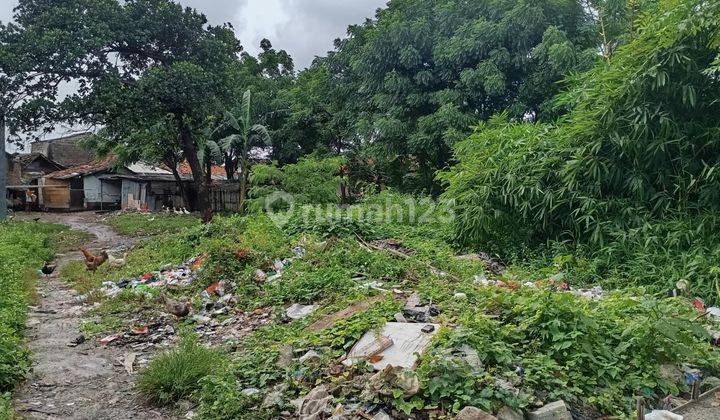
(304, 28)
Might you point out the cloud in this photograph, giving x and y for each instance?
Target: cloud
(304, 28)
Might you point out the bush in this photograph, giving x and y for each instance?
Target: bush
(176, 374)
(310, 181)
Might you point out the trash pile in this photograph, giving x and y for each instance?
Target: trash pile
(181, 275)
(555, 281)
(278, 266)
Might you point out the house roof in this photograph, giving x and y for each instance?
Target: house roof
(217, 172)
(86, 169)
(66, 151)
(26, 159)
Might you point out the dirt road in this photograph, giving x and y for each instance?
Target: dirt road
(83, 382)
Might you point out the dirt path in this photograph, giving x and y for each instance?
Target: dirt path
(83, 382)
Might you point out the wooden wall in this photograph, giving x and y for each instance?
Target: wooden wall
(55, 194)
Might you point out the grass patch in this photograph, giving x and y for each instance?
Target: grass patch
(24, 246)
(176, 374)
(138, 224)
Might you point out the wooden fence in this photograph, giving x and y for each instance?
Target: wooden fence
(224, 197)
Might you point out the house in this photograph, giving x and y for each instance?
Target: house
(23, 173)
(79, 187)
(66, 151)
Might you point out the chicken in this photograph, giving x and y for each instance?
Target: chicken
(179, 309)
(92, 261)
(185, 211)
(176, 211)
(117, 262)
(48, 269)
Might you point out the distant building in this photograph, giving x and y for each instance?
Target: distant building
(66, 151)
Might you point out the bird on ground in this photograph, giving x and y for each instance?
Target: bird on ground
(177, 211)
(179, 309)
(117, 262)
(92, 261)
(36, 219)
(48, 269)
(185, 211)
(166, 209)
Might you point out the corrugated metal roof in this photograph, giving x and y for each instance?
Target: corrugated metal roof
(87, 169)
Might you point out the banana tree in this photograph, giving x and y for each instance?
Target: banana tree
(237, 145)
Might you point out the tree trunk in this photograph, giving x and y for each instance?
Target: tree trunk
(203, 190)
(3, 170)
(230, 167)
(243, 189)
(172, 163)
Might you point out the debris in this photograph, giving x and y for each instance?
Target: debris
(428, 328)
(491, 265)
(140, 330)
(418, 312)
(460, 296)
(553, 411)
(129, 362)
(408, 341)
(389, 379)
(399, 317)
(393, 246)
(313, 405)
(195, 264)
(311, 355)
(260, 275)
(285, 359)
(377, 345)
(109, 339)
(474, 413)
(508, 413)
(273, 399)
(329, 320)
(298, 311)
(713, 311)
(381, 415)
(468, 355)
(662, 415)
(250, 391)
(77, 341)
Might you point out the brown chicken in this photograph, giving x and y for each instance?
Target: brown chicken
(179, 309)
(92, 261)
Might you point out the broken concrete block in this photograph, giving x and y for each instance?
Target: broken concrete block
(507, 413)
(474, 413)
(408, 341)
(554, 411)
(313, 405)
(297, 311)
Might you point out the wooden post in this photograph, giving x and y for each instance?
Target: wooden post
(3, 170)
(640, 408)
(695, 394)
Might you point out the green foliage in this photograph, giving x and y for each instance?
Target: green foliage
(176, 374)
(136, 224)
(310, 181)
(24, 246)
(629, 171)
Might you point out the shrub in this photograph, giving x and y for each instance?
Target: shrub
(176, 374)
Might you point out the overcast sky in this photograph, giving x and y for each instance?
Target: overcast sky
(304, 28)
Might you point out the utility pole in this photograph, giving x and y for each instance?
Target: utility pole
(3, 170)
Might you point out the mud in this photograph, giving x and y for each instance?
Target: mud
(88, 381)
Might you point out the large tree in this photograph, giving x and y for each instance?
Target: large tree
(26, 98)
(138, 63)
(406, 85)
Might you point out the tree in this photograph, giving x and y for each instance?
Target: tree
(26, 98)
(245, 137)
(639, 144)
(408, 84)
(137, 63)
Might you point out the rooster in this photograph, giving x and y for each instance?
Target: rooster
(47, 269)
(92, 261)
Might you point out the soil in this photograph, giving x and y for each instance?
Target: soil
(88, 381)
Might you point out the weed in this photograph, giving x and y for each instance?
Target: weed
(176, 374)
